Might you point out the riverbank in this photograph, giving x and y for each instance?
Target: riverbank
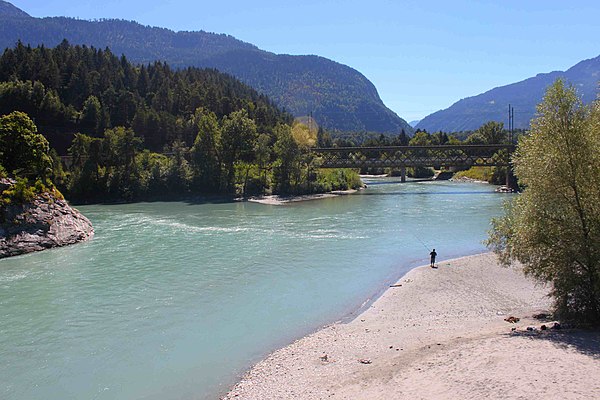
(437, 333)
(276, 200)
(466, 179)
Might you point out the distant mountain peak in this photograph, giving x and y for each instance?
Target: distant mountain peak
(9, 10)
(472, 112)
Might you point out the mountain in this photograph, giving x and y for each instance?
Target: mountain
(9, 11)
(414, 123)
(472, 112)
(339, 97)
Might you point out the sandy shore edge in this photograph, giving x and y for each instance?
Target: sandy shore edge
(276, 200)
(437, 333)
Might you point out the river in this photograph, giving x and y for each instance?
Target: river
(175, 300)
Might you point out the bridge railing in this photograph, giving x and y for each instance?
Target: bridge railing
(414, 156)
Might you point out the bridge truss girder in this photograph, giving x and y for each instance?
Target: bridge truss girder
(414, 156)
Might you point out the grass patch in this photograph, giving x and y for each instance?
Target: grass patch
(485, 174)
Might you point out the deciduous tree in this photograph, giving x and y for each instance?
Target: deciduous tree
(287, 152)
(237, 143)
(491, 132)
(23, 151)
(205, 152)
(553, 227)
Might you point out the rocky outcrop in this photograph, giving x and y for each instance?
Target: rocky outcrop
(41, 224)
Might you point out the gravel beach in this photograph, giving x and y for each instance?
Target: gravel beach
(438, 334)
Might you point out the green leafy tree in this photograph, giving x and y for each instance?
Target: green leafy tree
(91, 115)
(153, 169)
(491, 132)
(51, 110)
(402, 139)
(79, 150)
(553, 227)
(205, 160)
(439, 138)
(88, 175)
(23, 151)
(421, 138)
(263, 157)
(59, 176)
(287, 152)
(120, 146)
(237, 143)
(179, 173)
(324, 138)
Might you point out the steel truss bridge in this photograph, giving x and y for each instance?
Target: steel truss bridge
(464, 156)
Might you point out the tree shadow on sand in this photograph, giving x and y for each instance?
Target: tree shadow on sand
(584, 341)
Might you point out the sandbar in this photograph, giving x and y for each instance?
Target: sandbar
(277, 200)
(438, 334)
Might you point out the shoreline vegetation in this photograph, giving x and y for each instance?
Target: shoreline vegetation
(438, 333)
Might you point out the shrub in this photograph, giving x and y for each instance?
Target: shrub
(19, 193)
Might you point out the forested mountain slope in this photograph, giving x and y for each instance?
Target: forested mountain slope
(71, 89)
(131, 132)
(339, 97)
(472, 112)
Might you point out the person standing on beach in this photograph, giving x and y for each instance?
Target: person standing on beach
(433, 254)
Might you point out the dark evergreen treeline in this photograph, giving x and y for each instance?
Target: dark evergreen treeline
(489, 133)
(70, 89)
(139, 132)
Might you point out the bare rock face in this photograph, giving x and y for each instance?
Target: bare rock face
(41, 224)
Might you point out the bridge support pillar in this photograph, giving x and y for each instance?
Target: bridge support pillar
(511, 180)
(402, 174)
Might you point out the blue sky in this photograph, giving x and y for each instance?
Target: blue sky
(421, 55)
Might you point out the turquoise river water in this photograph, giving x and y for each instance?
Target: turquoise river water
(177, 300)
